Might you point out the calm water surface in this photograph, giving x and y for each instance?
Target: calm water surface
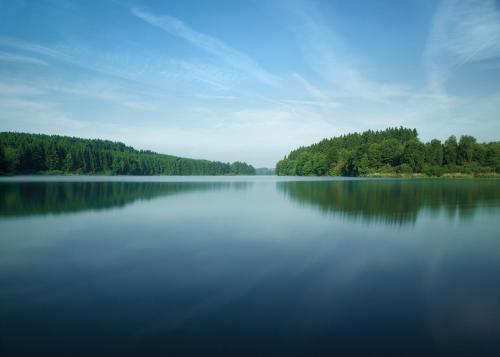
(249, 266)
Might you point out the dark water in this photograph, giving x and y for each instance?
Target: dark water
(249, 266)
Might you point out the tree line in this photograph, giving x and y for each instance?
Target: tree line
(264, 171)
(391, 151)
(22, 153)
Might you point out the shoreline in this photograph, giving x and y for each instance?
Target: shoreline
(453, 175)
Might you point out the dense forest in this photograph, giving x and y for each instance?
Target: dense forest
(392, 151)
(22, 153)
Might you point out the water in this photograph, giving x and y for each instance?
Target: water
(249, 266)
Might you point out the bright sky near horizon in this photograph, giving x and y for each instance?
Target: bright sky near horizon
(248, 80)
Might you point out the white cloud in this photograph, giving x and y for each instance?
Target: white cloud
(75, 56)
(35, 48)
(332, 61)
(461, 32)
(217, 97)
(10, 87)
(465, 32)
(216, 107)
(211, 45)
(195, 71)
(20, 59)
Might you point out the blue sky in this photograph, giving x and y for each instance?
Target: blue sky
(248, 80)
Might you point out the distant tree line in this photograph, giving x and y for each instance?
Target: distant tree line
(391, 151)
(264, 171)
(22, 153)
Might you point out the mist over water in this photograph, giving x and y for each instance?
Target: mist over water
(248, 266)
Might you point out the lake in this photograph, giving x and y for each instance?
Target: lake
(249, 266)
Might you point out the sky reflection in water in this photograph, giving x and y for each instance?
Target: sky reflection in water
(249, 265)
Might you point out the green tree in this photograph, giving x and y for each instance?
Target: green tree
(492, 156)
(320, 165)
(391, 151)
(434, 153)
(363, 165)
(3, 160)
(465, 150)
(414, 155)
(68, 163)
(304, 164)
(450, 150)
(11, 161)
(34, 153)
(51, 158)
(374, 155)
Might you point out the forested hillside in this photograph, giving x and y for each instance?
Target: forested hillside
(391, 151)
(22, 153)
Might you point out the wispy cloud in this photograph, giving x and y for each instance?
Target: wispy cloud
(71, 55)
(217, 97)
(35, 48)
(29, 106)
(333, 61)
(209, 44)
(111, 92)
(16, 58)
(461, 32)
(195, 71)
(222, 104)
(23, 107)
(312, 90)
(9, 87)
